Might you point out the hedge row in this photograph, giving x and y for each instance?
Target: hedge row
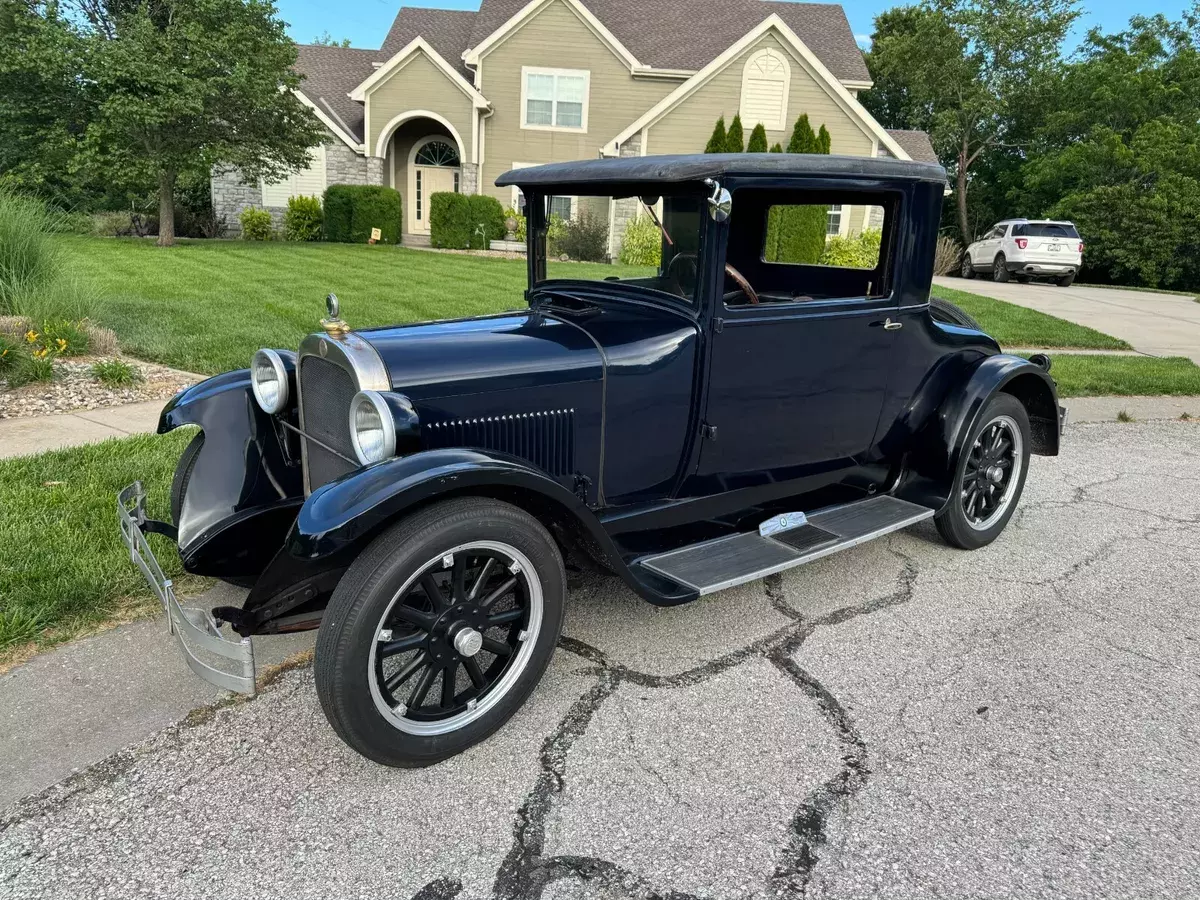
(352, 210)
(461, 222)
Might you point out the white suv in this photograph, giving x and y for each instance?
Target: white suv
(1025, 249)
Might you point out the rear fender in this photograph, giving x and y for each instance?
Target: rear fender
(245, 487)
(932, 465)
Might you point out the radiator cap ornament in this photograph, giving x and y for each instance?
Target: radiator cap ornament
(333, 324)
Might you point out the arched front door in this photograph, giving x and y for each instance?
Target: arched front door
(434, 168)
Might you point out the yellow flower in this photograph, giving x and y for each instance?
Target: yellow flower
(41, 354)
(31, 336)
(62, 344)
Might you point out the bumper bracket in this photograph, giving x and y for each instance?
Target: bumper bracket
(218, 660)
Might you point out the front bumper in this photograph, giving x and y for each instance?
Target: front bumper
(222, 662)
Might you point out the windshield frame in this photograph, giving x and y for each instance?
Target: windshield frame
(537, 227)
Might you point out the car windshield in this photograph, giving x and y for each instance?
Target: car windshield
(650, 242)
(1045, 230)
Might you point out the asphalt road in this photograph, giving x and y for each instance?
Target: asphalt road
(1152, 323)
(900, 721)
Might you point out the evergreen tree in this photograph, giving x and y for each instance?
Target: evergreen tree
(716, 143)
(758, 140)
(778, 148)
(796, 234)
(735, 141)
(804, 140)
(824, 140)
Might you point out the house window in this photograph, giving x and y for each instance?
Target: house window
(418, 195)
(765, 83)
(437, 153)
(563, 207)
(554, 99)
(306, 182)
(834, 225)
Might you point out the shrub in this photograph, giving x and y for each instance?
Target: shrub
(115, 373)
(65, 337)
(303, 219)
(860, 252)
(9, 350)
(256, 224)
(450, 221)
(29, 258)
(642, 245)
(584, 238)
(487, 212)
(947, 256)
(194, 213)
(112, 224)
(796, 234)
(352, 210)
(27, 367)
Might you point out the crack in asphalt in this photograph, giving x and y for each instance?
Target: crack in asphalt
(526, 871)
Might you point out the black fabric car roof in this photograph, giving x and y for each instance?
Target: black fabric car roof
(650, 170)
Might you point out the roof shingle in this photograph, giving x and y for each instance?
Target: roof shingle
(916, 144)
(330, 74)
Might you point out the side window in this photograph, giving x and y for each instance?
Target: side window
(810, 245)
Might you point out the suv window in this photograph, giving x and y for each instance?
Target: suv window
(1045, 229)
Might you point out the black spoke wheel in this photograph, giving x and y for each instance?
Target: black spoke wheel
(440, 630)
(990, 477)
(456, 636)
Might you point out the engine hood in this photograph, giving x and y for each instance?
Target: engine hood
(514, 351)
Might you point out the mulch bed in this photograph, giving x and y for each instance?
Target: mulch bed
(74, 388)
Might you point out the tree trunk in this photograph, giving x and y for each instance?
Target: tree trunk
(961, 199)
(166, 209)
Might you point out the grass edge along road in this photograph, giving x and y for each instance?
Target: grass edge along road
(64, 571)
(1018, 326)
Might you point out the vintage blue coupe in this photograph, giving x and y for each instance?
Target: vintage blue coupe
(752, 403)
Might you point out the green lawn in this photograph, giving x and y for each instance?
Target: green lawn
(1016, 326)
(206, 306)
(63, 568)
(1096, 376)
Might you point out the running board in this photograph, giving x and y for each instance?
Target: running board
(784, 542)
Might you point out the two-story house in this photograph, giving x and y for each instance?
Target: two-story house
(453, 99)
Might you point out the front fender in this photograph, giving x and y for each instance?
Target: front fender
(244, 487)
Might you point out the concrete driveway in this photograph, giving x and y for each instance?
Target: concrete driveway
(1157, 324)
(899, 721)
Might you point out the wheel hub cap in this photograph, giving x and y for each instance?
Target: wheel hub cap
(468, 641)
(995, 474)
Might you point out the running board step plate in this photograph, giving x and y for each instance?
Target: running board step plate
(726, 562)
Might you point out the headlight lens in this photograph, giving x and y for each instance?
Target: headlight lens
(270, 381)
(372, 428)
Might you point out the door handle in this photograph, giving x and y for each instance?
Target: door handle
(889, 325)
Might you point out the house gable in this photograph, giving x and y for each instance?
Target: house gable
(555, 38)
(682, 121)
(530, 11)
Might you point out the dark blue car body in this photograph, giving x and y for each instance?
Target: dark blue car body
(630, 422)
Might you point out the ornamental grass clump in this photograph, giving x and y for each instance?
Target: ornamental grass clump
(115, 373)
(29, 257)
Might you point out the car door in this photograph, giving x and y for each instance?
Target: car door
(984, 250)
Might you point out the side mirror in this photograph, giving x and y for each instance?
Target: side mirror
(720, 204)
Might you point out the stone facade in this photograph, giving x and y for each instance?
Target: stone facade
(232, 195)
(626, 210)
(470, 178)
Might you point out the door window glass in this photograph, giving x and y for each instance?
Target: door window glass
(811, 235)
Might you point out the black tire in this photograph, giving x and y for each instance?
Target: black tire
(1000, 269)
(183, 475)
(956, 526)
(1023, 279)
(945, 311)
(968, 270)
(1066, 280)
(345, 675)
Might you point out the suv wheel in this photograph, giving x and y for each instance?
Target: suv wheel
(968, 270)
(439, 631)
(990, 477)
(1066, 280)
(1000, 269)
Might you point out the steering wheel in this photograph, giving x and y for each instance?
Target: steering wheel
(686, 279)
(742, 283)
(693, 274)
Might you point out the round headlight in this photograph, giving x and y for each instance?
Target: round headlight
(269, 379)
(372, 428)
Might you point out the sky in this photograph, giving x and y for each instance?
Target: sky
(366, 22)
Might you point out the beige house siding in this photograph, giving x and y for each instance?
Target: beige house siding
(419, 85)
(687, 127)
(557, 38)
